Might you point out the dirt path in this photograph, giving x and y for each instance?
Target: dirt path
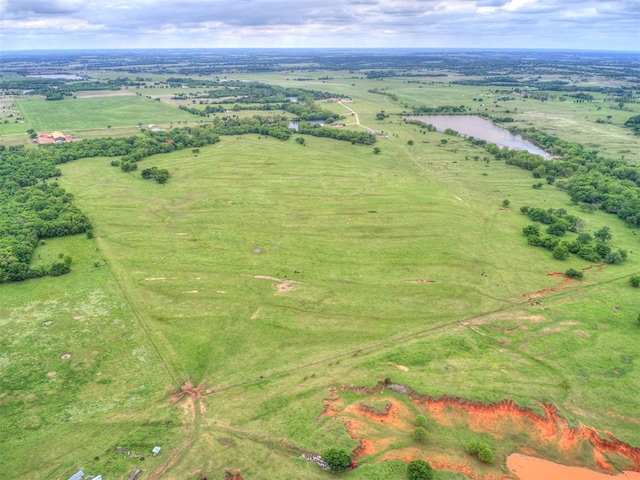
(356, 115)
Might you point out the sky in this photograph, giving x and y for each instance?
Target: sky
(93, 24)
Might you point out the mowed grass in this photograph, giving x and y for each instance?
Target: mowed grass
(74, 115)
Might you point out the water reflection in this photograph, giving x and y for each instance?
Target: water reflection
(478, 127)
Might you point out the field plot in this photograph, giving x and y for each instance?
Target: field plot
(268, 273)
(98, 112)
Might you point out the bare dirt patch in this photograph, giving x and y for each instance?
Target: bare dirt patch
(284, 285)
(51, 374)
(65, 356)
(255, 314)
(188, 390)
(399, 367)
(422, 280)
(47, 323)
(78, 317)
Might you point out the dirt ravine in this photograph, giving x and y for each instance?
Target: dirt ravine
(545, 430)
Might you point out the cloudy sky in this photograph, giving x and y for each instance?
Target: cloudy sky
(573, 24)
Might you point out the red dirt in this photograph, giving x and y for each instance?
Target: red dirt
(531, 468)
(375, 432)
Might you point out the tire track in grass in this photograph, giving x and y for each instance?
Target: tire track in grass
(467, 322)
(133, 306)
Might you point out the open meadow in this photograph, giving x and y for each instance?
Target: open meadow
(242, 314)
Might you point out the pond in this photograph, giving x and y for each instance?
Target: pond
(57, 76)
(294, 124)
(531, 468)
(478, 127)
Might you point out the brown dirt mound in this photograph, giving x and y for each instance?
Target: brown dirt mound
(188, 390)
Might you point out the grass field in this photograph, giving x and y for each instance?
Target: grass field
(271, 272)
(90, 112)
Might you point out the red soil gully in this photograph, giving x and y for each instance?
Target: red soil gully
(495, 419)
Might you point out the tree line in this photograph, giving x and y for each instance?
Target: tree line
(590, 179)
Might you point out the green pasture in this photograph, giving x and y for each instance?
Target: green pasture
(75, 115)
(406, 257)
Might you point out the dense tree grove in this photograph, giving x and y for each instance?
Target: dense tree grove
(256, 92)
(583, 246)
(353, 136)
(32, 208)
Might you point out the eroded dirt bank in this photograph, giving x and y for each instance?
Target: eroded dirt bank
(381, 423)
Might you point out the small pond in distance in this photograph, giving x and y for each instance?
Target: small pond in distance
(478, 127)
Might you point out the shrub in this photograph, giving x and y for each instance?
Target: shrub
(486, 454)
(635, 281)
(420, 434)
(573, 273)
(419, 470)
(421, 421)
(337, 459)
(481, 450)
(59, 268)
(561, 251)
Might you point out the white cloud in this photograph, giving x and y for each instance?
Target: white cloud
(331, 23)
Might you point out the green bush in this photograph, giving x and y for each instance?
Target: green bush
(481, 450)
(337, 459)
(420, 434)
(635, 281)
(486, 454)
(573, 273)
(419, 470)
(421, 421)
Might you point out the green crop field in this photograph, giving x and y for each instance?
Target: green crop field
(87, 113)
(267, 273)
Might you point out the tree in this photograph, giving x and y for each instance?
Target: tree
(584, 238)
(410, 142)
(419, 470)
(337, 459)
(603, 234)
(561, 251)
(506, 203)
(420, 434)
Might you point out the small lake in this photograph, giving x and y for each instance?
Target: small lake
(478, 127)
(294, 124)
